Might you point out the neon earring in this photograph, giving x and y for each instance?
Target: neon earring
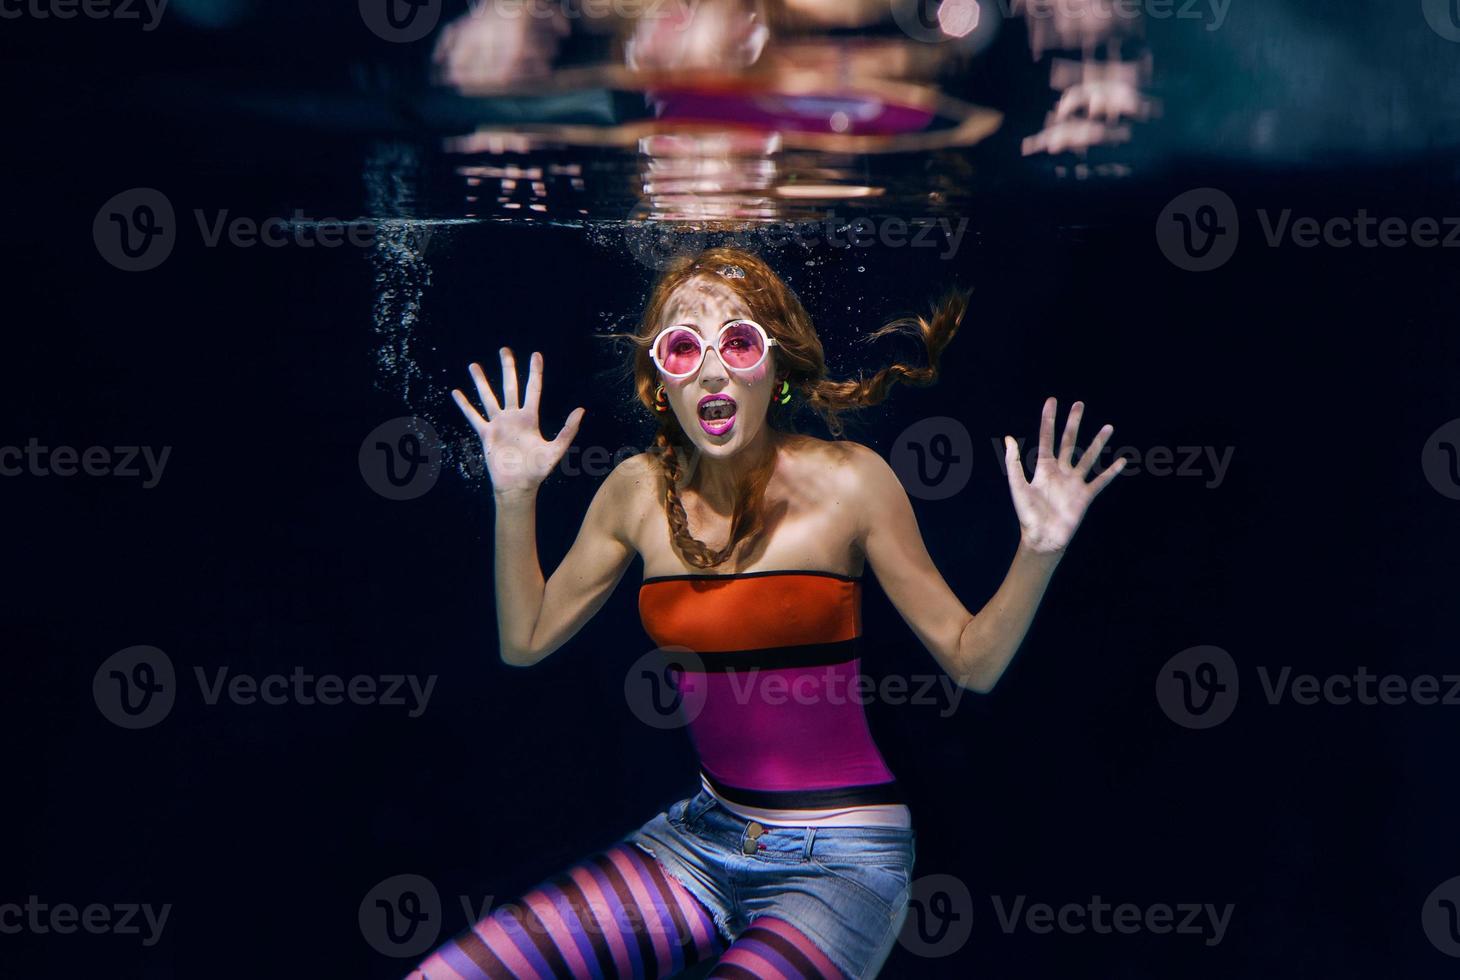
(661, 400)
(785, 397)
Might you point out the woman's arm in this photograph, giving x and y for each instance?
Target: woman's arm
(534, 617)
(976, 649)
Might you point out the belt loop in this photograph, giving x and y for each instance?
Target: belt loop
(810, 837)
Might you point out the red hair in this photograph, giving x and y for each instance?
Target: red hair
(799, 361)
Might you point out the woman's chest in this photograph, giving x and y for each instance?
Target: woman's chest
(796, 535)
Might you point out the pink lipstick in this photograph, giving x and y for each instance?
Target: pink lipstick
(717, 414)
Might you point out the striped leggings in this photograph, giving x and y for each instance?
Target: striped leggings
(618, 915)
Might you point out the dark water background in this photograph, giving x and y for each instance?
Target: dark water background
(1325, 548)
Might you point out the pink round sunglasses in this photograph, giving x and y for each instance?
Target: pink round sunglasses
(679, 350)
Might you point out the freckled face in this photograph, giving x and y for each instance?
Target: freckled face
(718, 430)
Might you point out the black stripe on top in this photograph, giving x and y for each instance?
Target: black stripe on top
(701, 576)
(809, 799)
(766, 658)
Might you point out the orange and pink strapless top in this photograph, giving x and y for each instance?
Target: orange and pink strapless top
(770, 685)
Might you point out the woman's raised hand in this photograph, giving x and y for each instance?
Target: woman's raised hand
(518, 457)
(1051, 506)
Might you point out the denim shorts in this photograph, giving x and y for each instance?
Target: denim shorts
(846, 888)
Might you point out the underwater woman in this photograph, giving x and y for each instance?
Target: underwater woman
(794, 859)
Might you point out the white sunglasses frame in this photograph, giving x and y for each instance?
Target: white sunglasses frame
(654, 347)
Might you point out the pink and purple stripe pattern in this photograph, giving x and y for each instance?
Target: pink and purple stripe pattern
(618, 916)
(615, 915)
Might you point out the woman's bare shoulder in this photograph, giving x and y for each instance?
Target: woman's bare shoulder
(631, 490)
(838, 466)
(840, 454)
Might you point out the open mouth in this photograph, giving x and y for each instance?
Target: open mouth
(717, 414)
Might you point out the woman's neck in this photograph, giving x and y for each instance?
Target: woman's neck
(720, 482)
